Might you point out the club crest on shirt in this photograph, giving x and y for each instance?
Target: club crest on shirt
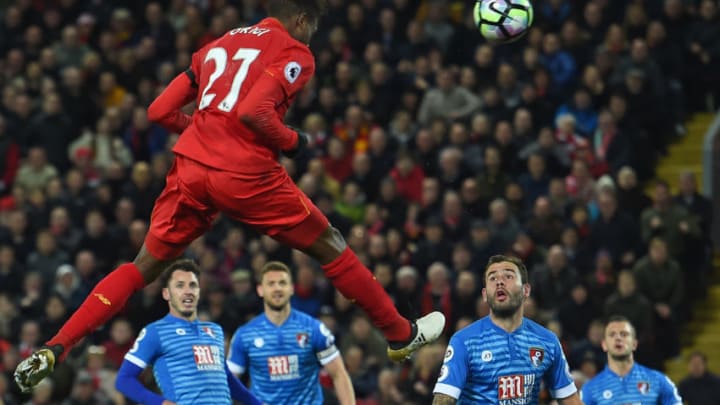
(302, 339)
(643, 387)
(537, 354)
(292, 71)
(208, 331)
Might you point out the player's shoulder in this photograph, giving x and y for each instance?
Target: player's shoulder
(302, 318)
(252, 324)
(475, 332)
(598, 381)
(649, 373)
(535, 328)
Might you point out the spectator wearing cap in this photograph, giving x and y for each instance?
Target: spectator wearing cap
(408, 291)
(67, 286)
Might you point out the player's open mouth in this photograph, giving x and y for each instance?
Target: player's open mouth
(500, 295)
(188, 300)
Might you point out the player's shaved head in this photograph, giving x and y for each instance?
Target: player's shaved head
(282, 9)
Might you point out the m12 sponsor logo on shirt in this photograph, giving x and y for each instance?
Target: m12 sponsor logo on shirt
(515, 389)
(207, 357)
(281, 368)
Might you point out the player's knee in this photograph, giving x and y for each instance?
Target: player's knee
(335, 239)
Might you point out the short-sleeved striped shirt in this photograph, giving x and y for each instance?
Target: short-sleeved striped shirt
(641, 386)
(283, 361)
(187, 358)
(486, 365)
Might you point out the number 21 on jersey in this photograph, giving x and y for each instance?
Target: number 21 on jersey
(220, 56)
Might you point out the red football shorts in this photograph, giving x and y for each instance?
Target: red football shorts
(195, 193)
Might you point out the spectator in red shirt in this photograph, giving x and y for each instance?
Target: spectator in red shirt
(408, 177)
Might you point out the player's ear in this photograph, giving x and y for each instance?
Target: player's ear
(603, 344)
(484, 294)
(166, 294)
(526, 290)
(635, 343)
(259, 290)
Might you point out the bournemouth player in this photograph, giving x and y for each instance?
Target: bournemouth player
(226, 161)
(188, 356)
(623, 381)
(283, 349)
(504, 358)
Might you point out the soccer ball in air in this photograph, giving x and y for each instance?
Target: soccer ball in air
(503, 21)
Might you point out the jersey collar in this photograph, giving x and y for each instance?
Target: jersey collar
(172, 318)
(267, 320)
(503, 331)
(272, 22)
(631, 372)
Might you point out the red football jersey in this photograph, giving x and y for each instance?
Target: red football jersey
(225, 72)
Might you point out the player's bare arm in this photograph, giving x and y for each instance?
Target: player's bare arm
(573, 399)
(442, 399)
(341, 381)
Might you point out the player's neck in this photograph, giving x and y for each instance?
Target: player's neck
(621, 367)
(508, 324)
(277, 317)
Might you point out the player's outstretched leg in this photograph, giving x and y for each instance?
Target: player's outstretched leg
(105, 300)
(358, 284)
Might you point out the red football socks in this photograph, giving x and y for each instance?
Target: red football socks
(106, 299)
(357, 283)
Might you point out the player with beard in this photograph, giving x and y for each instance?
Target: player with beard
(187, 354)
(283, 349)
(623, 381)
(503, 358)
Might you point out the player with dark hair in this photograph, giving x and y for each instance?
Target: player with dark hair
(502, 358)
(227, 161)
(188, 356)
(284, 349)
(623, 381)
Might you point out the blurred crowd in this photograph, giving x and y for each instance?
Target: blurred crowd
(431, 150)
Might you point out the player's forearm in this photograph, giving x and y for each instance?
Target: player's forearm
(238, 391)
(344, 389)
(573, 399)
(128, 384)
(165, 109)
(257, 112)
(442, 399)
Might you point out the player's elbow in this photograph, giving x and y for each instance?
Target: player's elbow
(155, 112)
